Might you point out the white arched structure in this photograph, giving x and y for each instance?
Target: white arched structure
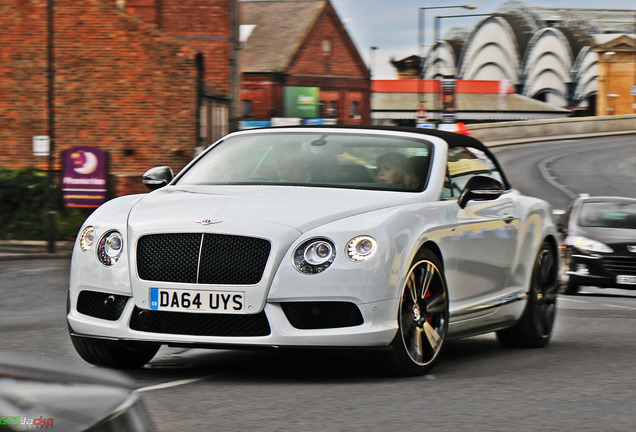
(586, 75)
(542, 63)
(441, 61)
(548, 66)
(492, 48)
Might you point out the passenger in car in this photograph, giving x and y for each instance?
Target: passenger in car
(394, 168)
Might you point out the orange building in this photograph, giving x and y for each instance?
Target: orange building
(617, 75)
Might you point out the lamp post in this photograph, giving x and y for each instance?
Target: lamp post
(436, 37)
(421, 38)
(372, 50)
(50, 53)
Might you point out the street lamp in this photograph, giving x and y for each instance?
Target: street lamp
(372, 50)
(436, 38)
(421, 37)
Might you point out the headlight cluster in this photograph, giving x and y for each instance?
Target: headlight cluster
(361, 248)
(109, 247)
(87, 237)
(586, 244)
(316, 255)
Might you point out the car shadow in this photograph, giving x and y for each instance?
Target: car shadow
(303, 365)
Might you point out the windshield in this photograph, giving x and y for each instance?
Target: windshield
(608, 215)
(363, 161)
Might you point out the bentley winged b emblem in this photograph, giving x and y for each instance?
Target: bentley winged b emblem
(208, 221)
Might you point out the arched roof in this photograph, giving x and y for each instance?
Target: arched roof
(537, 50)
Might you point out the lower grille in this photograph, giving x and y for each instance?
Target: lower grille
(322, 315)
(199, 324)
(620, 265)
(101, 305)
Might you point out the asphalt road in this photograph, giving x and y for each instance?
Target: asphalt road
(584, 380)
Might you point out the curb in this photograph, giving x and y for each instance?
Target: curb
(33, 249)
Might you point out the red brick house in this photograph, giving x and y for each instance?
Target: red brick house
(301, 43)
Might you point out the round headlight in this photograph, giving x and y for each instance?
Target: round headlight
(318, 253)
(110, 248)
(361, 248)
(314, 256)
(87, 237)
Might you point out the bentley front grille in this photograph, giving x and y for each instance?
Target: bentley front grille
(199, 324)
(202, 258)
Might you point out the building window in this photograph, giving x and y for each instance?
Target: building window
(247, 107)
(326, 47)
(355, 109)
(332, 109)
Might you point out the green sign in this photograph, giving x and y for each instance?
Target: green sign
(301, 102)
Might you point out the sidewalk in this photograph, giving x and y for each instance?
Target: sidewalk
(33, 249)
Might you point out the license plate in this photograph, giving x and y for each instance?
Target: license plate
(627, 280)
(222, 302)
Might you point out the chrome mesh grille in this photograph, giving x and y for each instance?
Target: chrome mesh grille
(202, 258)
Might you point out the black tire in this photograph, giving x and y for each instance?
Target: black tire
(534, 329)
(571, 288)
(422, 318)
(114, 354)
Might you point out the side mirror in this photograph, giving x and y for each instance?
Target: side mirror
(157, 177)
(480, 188)
(557, 218)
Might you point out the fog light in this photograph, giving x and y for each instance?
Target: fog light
(582, 269)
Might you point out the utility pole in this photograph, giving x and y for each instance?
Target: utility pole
(234, 65)
(50, 18)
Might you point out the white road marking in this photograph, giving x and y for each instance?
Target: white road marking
(619, 306)
(172, 384)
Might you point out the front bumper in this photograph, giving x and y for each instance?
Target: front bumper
(602, 271)
(374, 326)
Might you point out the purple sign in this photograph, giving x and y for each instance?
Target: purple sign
(84, 183)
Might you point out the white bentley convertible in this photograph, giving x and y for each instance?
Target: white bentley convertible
(390, 238)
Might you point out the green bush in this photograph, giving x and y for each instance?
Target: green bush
(24, 207)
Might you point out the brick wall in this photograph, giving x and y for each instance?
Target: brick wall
(120, 85)
(202, 24)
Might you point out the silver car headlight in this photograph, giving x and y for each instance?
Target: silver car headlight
(314, 256)
(361, 248)
(87, 237)
(110, 247)
(586, 244)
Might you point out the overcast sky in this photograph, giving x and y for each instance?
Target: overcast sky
(391, 25)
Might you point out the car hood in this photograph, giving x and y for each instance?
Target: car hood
(302, 208)
(608, 235)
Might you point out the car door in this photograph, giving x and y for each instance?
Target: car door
(485, 234)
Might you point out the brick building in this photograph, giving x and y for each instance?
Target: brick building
(120, 84)
(151, 80)
(300, 44)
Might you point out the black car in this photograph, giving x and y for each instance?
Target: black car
(599, 237)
